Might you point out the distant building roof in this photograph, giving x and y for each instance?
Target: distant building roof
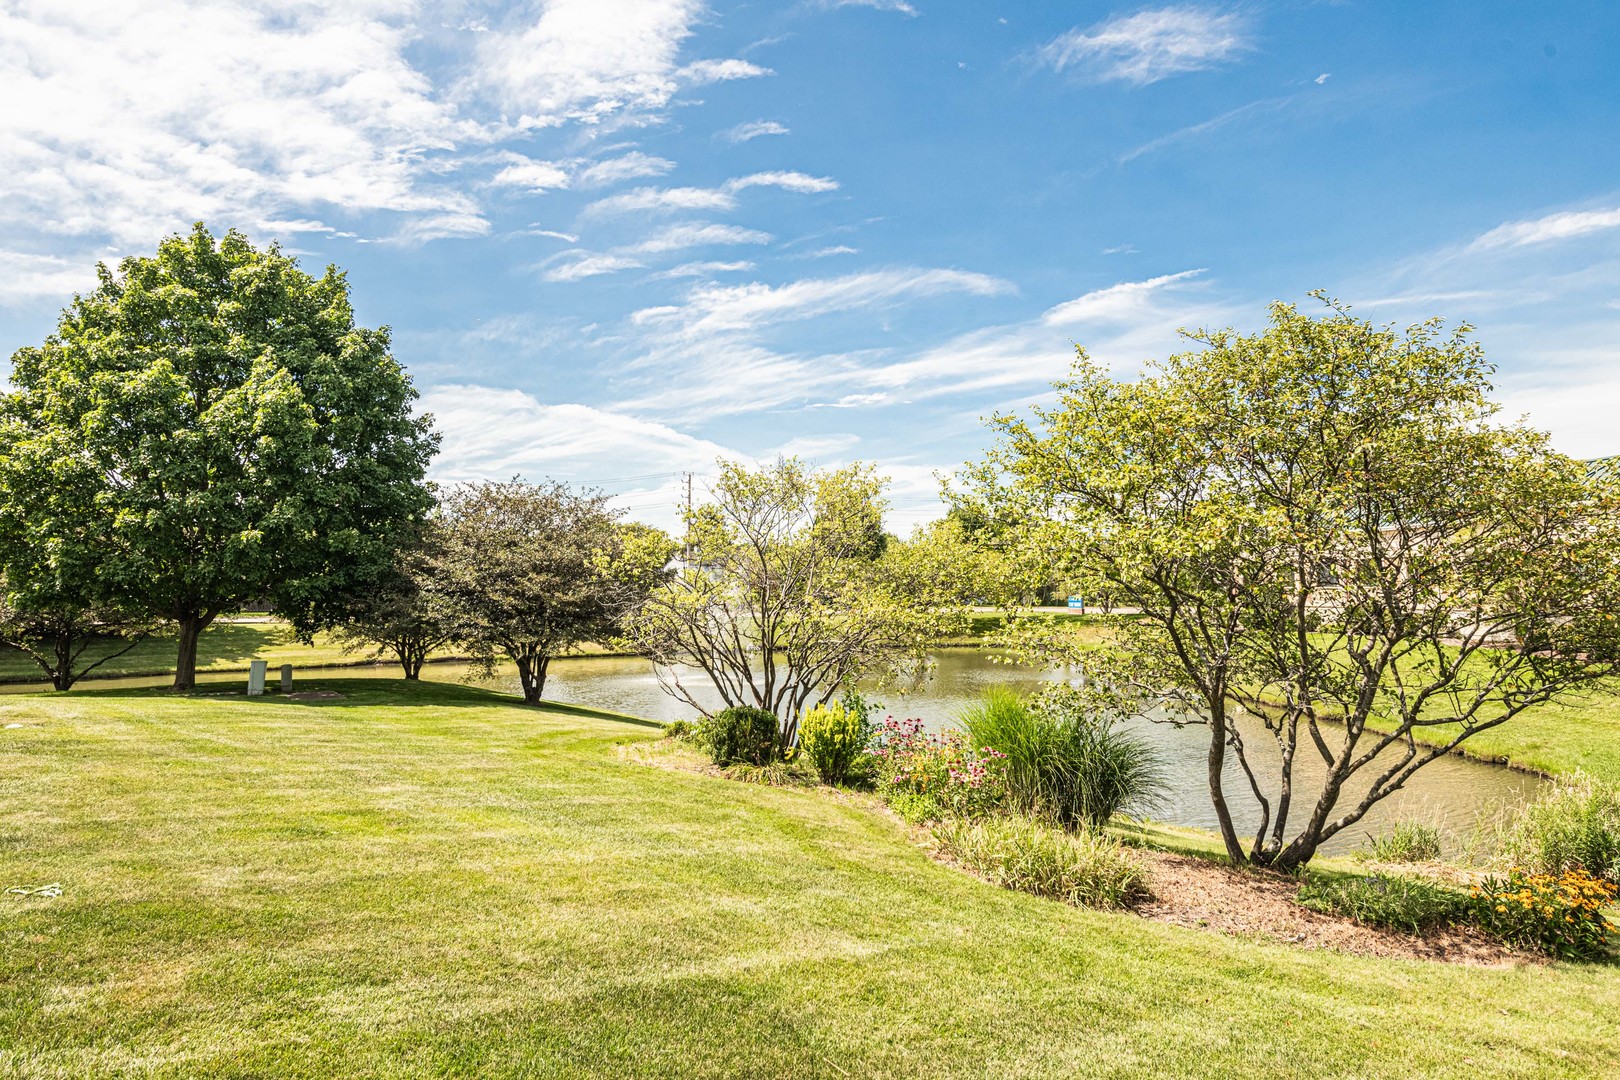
(1604, 468)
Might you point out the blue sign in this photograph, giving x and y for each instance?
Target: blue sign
(1075, 601)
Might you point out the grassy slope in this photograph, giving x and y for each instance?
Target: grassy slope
(431, 880)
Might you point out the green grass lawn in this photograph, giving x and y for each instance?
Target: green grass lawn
(433, 880)
(224, 646)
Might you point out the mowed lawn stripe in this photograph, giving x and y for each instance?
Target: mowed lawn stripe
(433, 880)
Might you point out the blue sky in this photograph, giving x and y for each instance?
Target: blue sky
(619, 238)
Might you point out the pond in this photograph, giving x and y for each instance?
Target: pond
(1453, 792)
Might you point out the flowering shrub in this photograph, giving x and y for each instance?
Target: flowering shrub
(1559, 914)
(926, 777)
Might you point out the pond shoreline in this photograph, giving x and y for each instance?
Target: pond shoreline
(19, 685)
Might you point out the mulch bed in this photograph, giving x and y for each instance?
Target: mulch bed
(1206, 895)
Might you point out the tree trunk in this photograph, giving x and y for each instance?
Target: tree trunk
(541, 663)
(185, 665)
(62, 677)
(1217, 793)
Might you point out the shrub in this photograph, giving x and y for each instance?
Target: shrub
(1575, 824)
(1084, 867)
(1062, 763)
(1406, 842)
(680, 729)
(926, 777)
(1388, 900)
(832, 737)
(741, 735)
(1561, 915)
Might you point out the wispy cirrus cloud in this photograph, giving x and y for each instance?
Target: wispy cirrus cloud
(702, 269)
(662, 200)
(631, 166)
(803, 183)
(530, 175)
(902, 6)
(740, 307)
(694, 234)
(1150, 45)
(589, 265)
(752, 129)
(1565, 225)
(724, 197)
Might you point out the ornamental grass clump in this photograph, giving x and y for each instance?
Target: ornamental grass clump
(1077, 769)
(1084, 867)
(1559, 914)
(928, 777)
(1388, 900)
(1575, 824)
(833, 737)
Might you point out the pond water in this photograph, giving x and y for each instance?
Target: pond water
(1453, 792)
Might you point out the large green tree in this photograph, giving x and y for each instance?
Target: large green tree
(1337, 550)
(237, 435)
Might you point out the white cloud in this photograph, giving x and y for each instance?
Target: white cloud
(701, 269)
(1116, 303)
(25, 277)
(1322, 78)
(567, 238)
(703, 72)
(881, 5)
(1149, 45)
(1566, 225)
(828, 252)
(803, 183)
(717, 308)
(535, 177)
(693, 234)
(662, 200)
(124, 121)
(585, 60)
(753, 129)
(495, 434)
(589, 265)
(626, 167)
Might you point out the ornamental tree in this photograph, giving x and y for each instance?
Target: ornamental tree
(782, 599)
(405, 613)
(1335, 546)
(238, 437)
(533, 570)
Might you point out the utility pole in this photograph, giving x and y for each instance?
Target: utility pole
(686, 548)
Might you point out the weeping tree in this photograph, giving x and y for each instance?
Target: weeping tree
(1337, 549)
(786, 594)
(530, 571)
(236, 434)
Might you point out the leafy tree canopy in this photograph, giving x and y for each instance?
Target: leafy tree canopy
(784, 595)
(533, 570)
(238, 436)
(1335, 547)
